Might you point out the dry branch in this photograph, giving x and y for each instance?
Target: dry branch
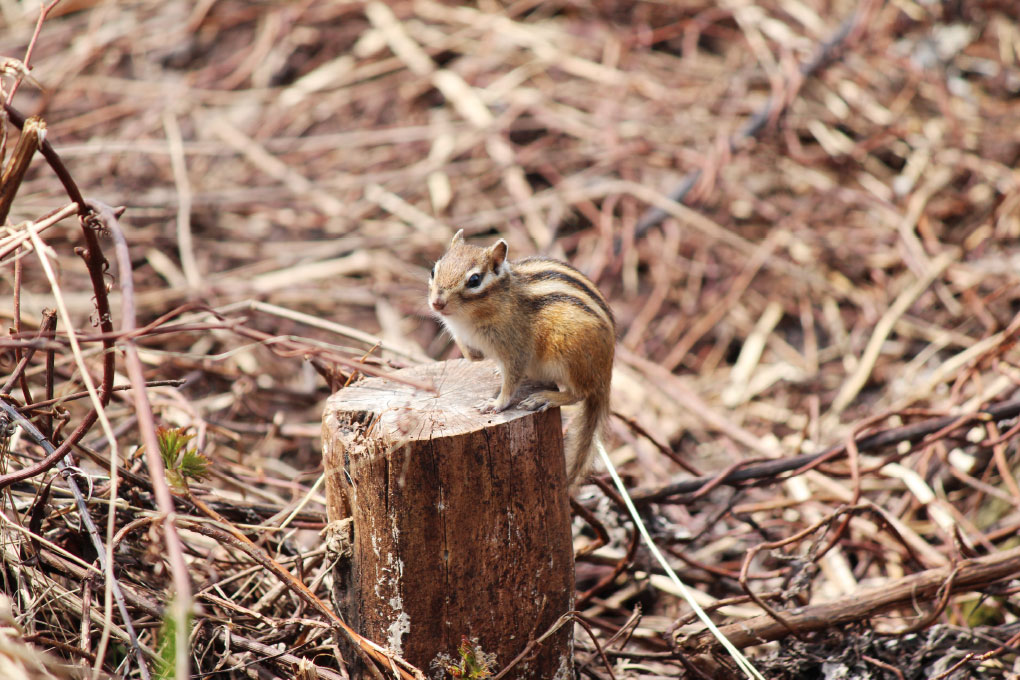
(915, 592)
(756, 471)
(32, 135)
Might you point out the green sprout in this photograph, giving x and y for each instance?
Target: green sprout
(181, 463)
(474, 663)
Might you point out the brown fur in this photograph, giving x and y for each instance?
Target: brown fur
(540, 319)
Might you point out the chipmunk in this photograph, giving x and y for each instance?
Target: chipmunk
(539, 319)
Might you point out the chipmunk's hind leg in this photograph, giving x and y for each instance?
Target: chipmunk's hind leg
(543, 399)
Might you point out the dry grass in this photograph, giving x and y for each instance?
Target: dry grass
(290, 171)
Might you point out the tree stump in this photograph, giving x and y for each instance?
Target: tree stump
(461, 520)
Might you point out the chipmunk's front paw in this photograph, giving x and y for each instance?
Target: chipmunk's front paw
(535, 402)
(494, 405)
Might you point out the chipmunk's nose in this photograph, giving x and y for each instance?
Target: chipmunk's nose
(438, 304)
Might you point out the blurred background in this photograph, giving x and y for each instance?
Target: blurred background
(845, 246)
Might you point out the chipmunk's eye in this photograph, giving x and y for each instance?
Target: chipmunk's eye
(474, 281)
(432, 274)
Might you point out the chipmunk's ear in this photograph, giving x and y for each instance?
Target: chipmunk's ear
(498, 254)
(457, 238)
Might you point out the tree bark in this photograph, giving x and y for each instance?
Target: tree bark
(461, 520)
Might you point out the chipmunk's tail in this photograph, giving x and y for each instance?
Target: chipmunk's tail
(587, 426)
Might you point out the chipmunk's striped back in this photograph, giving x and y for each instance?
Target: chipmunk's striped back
(541, 320)
(548, 281)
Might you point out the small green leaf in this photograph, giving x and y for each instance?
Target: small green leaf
(181, 463)
(475, 664)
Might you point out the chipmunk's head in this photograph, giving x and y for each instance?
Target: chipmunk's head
(464, 275)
